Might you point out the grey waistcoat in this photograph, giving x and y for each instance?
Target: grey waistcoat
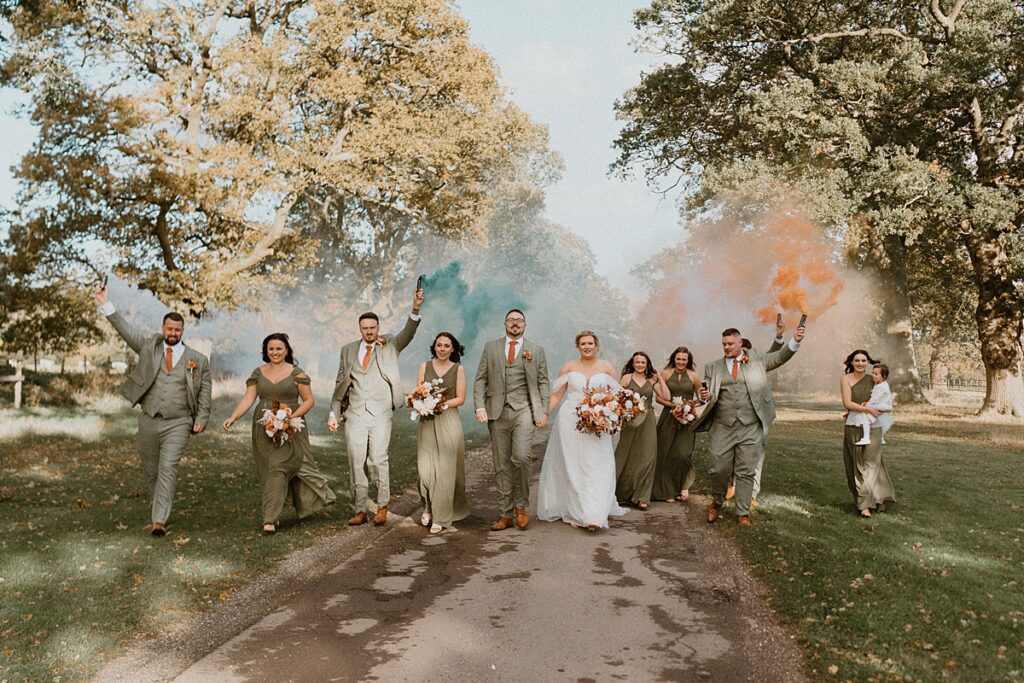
(369, 391)
(734, 404)
(517, 393)
(168, 396)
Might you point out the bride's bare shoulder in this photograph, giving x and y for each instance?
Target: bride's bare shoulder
(567, 368)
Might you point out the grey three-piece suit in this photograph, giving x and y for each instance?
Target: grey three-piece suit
(172, 403)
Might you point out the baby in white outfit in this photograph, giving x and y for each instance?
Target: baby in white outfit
(881, 399)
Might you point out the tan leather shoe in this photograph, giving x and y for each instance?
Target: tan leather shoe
(358, 518)
(744, 520)
(730, 492)
(381, 517)
(714, 511)
(502, 523)
(522, 520)
(157, 529)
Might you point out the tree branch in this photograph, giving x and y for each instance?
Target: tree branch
(895, 33)
(947, 22)
(265, 246)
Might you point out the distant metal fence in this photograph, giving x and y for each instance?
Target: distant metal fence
(958, 385)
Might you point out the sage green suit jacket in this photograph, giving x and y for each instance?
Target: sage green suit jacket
(150, 348)
(489, 383)
(755, 372)
(386, 358)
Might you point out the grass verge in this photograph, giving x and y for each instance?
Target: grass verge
(933, 590)
(79, 576)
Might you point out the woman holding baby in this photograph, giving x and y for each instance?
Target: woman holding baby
(866, 396)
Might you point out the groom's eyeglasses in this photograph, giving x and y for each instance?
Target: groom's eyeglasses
(515, 320)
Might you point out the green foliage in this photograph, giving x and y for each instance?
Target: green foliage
(897, 125)
(176, 140)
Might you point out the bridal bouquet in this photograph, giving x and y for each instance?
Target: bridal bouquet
(685, 411)
(604, 412)
(279, 424)
(427, 400)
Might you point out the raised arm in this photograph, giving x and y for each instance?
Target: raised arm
(133, 336)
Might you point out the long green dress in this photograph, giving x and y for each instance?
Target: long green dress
(866, 474)
(673, 470)
(288, 475)
(636, 452)
(441, 457)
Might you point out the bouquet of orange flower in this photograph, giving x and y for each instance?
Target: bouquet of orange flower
(427, 400)
(685, 411)
(601, 411)
(279, 424)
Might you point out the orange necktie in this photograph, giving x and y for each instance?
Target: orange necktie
(735, 367)
(512, 352)
(170, 362)
(366, 358)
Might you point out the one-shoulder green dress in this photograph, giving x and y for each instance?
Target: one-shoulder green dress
(636, 452)
(288, 475)
(441, 457)
(866, 474)
(673, 469)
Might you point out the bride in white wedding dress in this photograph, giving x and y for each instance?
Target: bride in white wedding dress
(577, 477)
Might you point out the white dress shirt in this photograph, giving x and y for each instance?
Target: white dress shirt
(177, 351)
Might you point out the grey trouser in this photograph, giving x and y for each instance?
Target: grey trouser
(161, 443)
(511, 441)
(367, 438)
(734, 449)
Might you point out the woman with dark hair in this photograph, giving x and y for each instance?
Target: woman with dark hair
(866, 474)
(440, 445)
(673, 469)
(638, 441)
(286, 471)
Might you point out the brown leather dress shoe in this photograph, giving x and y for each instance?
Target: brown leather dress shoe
(713, 513)
(382, 516)
(158, 529)
(502, 523)
(358, 518)
(522, 520)
(744, 520)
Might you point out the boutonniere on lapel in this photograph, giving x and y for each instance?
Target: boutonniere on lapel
(744, 358)
(382, 341)
(192, 365)
(527, 356)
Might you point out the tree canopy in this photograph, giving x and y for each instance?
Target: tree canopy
(896, 123)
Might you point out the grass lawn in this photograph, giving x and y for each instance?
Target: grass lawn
(78, 575)
(932, 590)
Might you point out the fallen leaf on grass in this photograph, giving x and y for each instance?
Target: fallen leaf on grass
(181, 541)
(833, 669)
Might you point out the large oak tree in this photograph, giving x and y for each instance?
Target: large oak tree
(177, 138)
(897, 124)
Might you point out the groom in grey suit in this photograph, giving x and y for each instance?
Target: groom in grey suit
(740, 408)
(367, 391)
(172, 384)
(511, 393)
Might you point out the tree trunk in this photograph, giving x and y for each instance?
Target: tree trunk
(938, 371)
(889, 259)
(1000, 319)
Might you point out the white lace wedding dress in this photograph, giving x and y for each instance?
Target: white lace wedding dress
(577, 477)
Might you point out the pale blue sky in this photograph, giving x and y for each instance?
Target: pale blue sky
(565, 62)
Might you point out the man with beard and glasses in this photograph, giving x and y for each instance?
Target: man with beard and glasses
(171, 382)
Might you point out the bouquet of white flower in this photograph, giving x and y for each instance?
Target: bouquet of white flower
(427, 400)
(279, 424)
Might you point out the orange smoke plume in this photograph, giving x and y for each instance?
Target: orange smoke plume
(805, 281)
